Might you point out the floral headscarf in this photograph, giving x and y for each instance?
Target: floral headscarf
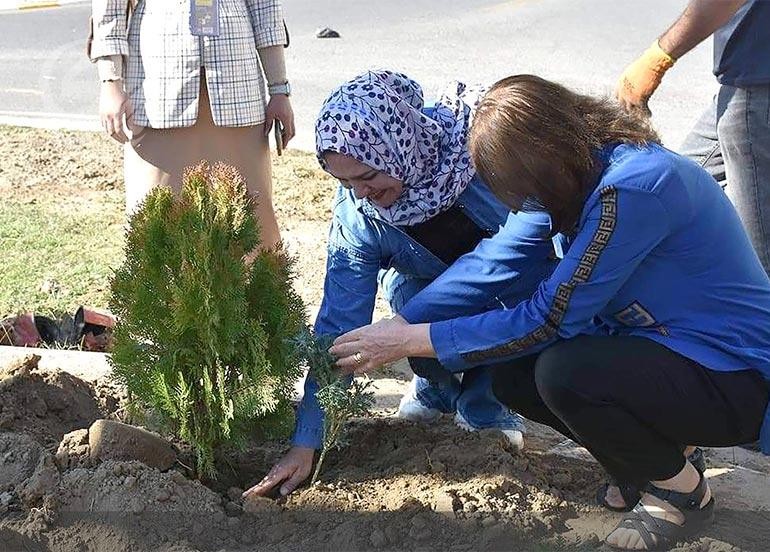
(377, 119)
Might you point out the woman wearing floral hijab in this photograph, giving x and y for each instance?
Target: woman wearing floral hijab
(410, 205)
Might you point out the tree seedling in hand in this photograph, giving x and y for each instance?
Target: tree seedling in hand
(340, 397)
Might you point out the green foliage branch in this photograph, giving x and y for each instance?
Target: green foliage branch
(204, 337)
(339, 397)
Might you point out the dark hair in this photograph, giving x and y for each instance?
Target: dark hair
(535, 139)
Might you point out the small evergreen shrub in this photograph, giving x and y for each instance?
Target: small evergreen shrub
(203, 339)
(339, 397)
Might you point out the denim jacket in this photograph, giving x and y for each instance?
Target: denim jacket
(360, 247)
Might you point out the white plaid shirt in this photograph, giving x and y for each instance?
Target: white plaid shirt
(164, 59)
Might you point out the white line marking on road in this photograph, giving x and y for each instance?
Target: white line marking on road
(22, 91)
(29, 5)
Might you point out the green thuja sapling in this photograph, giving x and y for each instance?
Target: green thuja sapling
(203, 337)
(339, 397)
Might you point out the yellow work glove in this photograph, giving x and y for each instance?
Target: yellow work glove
(642, 77)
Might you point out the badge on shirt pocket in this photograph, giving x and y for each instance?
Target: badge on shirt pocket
(204, 17)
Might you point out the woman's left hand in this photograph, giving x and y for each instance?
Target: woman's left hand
(279, 107)
(386, 341)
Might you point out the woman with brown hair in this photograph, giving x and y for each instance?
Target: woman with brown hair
(652, 333)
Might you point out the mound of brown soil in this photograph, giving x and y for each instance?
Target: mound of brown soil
(19, 456)
(46, 404)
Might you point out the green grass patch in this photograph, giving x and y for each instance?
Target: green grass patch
(55, 258)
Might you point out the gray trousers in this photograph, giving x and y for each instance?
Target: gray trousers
(731, 141)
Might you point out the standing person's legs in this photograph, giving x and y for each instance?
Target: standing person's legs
(743, 128)
(258, 173)
(254, 165)
(731, 140)
(156, 157)
(247, 149)
(702, 144)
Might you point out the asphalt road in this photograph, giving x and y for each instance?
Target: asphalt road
(45, 77)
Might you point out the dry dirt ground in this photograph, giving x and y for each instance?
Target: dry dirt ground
(401, 486)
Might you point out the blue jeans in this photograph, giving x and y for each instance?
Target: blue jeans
(469, 393)
(731, 141)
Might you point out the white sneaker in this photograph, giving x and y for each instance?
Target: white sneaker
(514, 436)
(410, 408)
(463, 424)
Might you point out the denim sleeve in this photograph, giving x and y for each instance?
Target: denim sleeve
(620, 230)
(517, 258)
(350, 289)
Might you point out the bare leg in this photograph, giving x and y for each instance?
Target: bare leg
(616, 500)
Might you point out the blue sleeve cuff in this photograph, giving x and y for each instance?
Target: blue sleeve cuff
(309, 437)
(414, 312)
(309, 430)
(443, 339)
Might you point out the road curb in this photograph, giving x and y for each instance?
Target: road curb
(65, 121)
(55, 121)
(86, 365)
(35, 4)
